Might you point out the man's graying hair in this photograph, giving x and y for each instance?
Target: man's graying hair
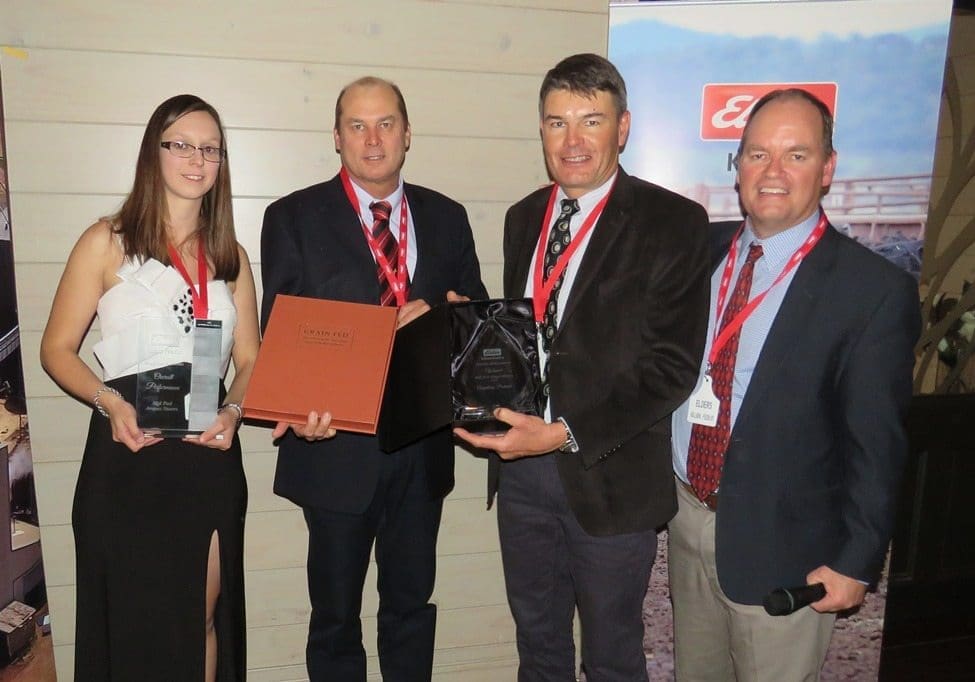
(370, 82)
(585, 74)
(792, 94)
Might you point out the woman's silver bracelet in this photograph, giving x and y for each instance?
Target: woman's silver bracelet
(236, 408)
(98, 395)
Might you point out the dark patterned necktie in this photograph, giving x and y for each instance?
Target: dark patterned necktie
(558, 241)
(387, 246)
(705, 452)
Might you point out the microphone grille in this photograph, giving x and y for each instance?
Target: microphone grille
(779, 603)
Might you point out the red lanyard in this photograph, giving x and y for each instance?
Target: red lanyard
(729, 266)
(542, 286)
(199, 292)
(397, 280)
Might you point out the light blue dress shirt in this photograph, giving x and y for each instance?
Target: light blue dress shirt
(776, 251)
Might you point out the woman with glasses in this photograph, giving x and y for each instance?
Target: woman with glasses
(158, 521)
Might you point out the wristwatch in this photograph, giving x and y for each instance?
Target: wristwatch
(570, 444)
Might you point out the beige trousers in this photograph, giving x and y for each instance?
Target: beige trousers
(716, 639)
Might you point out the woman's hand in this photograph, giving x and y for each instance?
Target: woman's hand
(220, 434)
(125, 426)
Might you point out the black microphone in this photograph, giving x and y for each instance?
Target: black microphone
(786, 600)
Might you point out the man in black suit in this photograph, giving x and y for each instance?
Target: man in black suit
(621, 303)
(330, 240)
(790, 476)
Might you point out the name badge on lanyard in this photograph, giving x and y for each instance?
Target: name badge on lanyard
(704, 404)
(204, 396)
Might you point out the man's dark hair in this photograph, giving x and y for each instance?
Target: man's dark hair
(585, 74)
(792, 94)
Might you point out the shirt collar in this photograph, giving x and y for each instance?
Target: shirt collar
(588, 201)
(365, 198)
(778, 248)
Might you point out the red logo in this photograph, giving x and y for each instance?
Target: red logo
(725, 106)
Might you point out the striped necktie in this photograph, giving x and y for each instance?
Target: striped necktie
(705, 452)
(387, 246)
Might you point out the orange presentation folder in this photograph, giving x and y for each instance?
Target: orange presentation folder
(325, 356)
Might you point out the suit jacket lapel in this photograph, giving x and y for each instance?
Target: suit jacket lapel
(605, 233)
(520, 254)
(792, 322)
(607, 229)
(421, 223)
(341, 228)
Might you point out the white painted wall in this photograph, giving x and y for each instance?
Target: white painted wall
(79, 80)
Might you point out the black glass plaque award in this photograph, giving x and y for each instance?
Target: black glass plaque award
(455, 365)
(176, 397)
(494, 362)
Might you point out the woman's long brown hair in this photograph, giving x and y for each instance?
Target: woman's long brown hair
(141, 221)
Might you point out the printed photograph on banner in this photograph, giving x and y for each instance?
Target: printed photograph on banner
(26, 649)
(693, 71)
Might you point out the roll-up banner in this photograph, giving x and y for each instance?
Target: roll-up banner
(694, 69)
(26, 651)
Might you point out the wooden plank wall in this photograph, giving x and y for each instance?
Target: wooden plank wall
(79, 80)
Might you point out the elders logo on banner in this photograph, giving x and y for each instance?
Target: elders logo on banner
(725, 106)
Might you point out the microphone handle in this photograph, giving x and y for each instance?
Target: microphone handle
(787, 600)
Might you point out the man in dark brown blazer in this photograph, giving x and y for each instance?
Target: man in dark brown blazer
(617, 268)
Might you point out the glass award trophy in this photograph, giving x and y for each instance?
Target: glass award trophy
(178, 382)
(494, 362)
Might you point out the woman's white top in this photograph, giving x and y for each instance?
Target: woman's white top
(155, 296)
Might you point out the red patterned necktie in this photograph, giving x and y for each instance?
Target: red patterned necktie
(705, 452)
(387, 246)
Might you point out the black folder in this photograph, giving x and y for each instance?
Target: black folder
(455, 365)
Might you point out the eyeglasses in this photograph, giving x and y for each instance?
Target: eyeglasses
(185, 150)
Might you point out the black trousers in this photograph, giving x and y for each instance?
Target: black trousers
(552, 566)
(403, 521)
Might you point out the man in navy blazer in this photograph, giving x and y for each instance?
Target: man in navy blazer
(315, 243)
(803, 489)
